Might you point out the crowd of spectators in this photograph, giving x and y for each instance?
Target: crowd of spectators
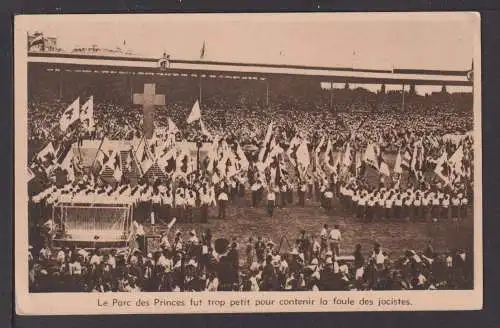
(192, 263)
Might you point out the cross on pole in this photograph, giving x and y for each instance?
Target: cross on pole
(149, 99)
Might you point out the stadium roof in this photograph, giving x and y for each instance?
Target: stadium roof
(118, 64)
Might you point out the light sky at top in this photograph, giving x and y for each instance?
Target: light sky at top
(375, 41)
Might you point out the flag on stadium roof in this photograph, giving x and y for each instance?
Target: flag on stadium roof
(203, 50)
(38, 39)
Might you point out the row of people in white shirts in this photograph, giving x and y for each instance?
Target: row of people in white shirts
(183, 196)
(390, 198)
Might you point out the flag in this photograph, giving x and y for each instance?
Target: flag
(172, 128)
(142, 156)
(67, 164)
(165, 161)
(38, 39)
(87, 113)
(47, 154)
(204, 130)
(303, 159)
(265, 145)
(383, 167)
(406, 159)
(292, 150)
(371, 156)
(70, 115)
(318, 148)
(242, 158)
(455, 161)
(195, 113)
(397, 164)
(347, 159)
(203, 50)
(441, 167)
(31, 175)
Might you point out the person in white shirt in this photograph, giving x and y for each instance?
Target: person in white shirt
(388, 207)
(445, 207)
(328, 200)
(180, 204)
(190, 205)
(455, 207)
(223, 199)
(335, 237)
(417, 208)
(435, 207)
(323, 235)
(271, 202)
(380, 206)
(464, 202)
(398, 207)
(370, 208)
(167, 202)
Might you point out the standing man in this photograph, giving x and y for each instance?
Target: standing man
(335, 237)
(302, 194)
(271, 200)
(223, 198)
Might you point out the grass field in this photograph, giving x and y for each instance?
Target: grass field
(242, 222)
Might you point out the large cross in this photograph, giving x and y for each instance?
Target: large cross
(149, 99)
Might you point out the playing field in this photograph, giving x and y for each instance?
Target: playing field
(243, 222)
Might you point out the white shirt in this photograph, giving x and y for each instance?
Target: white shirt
(222, 196)
(335, 235)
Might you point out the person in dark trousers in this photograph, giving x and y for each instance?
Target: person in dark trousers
(223, 199)
(271, 202)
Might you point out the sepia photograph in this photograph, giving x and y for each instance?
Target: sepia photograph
(181, 155)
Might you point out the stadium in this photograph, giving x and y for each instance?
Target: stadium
(247, 161)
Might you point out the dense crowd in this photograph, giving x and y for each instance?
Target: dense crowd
(198, 263)
(248, 124)
(272, 172)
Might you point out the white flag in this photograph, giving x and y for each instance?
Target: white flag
(455, 160)
(371, 156)
(195, 113)
(347, 160)
(87, 113)
(397, 164)
(303, 159)
(243, 159)
(172, 128)
(384, 168)
(70, 115)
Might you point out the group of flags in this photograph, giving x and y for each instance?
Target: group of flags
(74, 113)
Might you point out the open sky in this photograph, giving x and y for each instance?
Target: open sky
(377, 41)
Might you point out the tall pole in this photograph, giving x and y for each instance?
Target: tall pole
(403, 99)
(331, 94)
(61, 84)
(199, 89)
(267, 92)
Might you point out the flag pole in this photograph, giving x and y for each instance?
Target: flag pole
(199, 89)
(97, 153)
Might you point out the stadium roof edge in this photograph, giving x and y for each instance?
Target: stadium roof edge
(351, 75)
